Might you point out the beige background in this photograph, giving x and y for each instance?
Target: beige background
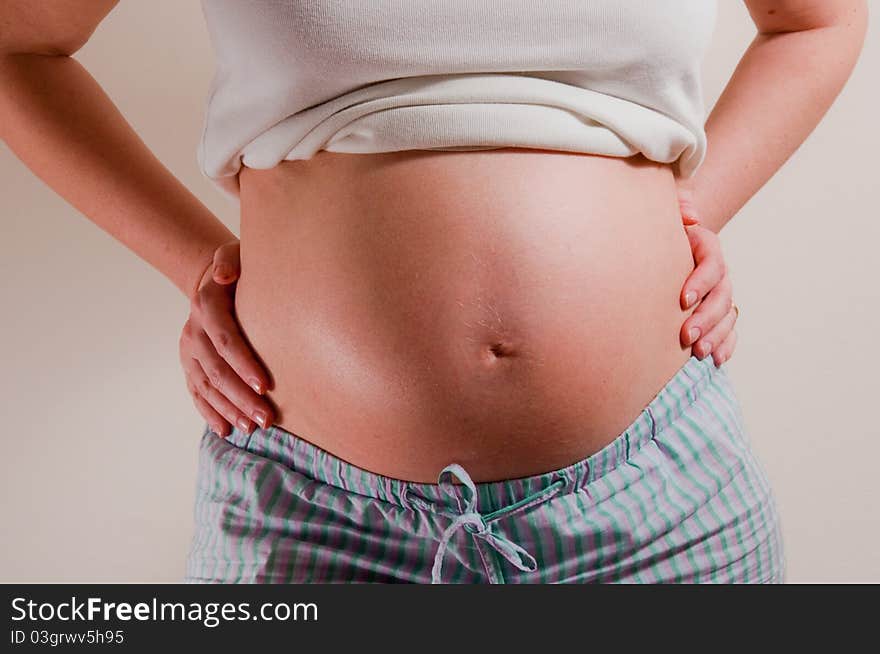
(99, 435)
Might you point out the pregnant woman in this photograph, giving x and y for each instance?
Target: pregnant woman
(462, 289)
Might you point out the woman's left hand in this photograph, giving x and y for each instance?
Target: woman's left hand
(709, 284)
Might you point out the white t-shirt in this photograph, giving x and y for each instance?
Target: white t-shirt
(611, 77)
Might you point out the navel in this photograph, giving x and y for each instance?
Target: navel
(499, 349)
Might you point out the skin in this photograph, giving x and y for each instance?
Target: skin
(801, 56)
(211, 330)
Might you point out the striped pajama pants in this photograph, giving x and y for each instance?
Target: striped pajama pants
(677, 497)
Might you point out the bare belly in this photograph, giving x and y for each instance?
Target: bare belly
(511, 310)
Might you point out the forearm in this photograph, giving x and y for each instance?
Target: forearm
(58, 120)
(781, 88)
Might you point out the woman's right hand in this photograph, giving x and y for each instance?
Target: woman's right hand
(222, 373)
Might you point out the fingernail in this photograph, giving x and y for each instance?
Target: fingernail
(693, 334)
(243, 423)
(689, 299)
(222, 271)
(256, 385)
(261, 418)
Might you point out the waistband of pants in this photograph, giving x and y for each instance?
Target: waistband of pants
(300, 455)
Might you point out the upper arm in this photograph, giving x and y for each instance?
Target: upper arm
(50, 27)
(773, 16)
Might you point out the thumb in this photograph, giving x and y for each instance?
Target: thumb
(697, 241)
(227, 262)
(687, 206)
(688, 210)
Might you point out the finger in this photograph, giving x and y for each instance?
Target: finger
(709, 265)
(227, 262)
(724, 351)
(218, 401)
(687, 206)
(716, 335)
(217, 321)
(193, 375)
(218, 423)
(709, 312)
(229, 384)
(184, 342)
(196, 379)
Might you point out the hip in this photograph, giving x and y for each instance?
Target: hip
(678, 496)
